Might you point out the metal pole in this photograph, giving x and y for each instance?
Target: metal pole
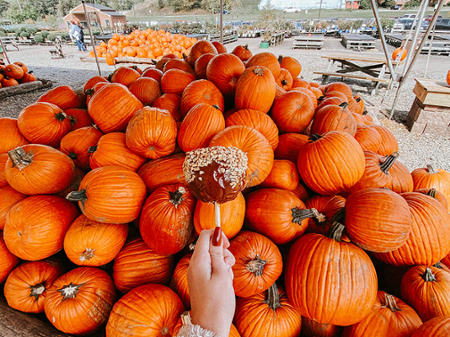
(429, 52)
(88, 19)
(383, 40)
(417, 53)
(320, 8)
(221, 21)
(4, 51)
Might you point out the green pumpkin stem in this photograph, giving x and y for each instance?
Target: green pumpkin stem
(336, 231)
(280, 59)
(298, 215)
(37, 290)
(438, 265)
(284, 82)
(339, 216)
(215, 106)
(20, 158)
(343, 105)
(431, 169)
(387, 164)
(432, 193)
(61, 116)
(256, 266)
(72, 155)
(390, 303)
(177, 197)
(77, 196)
(70, 291)
(92, 149)
(273, 297)
(314, 137)
(428, 276)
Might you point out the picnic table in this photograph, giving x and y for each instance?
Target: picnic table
(358, 41)
(373, 67)
(309, 41)
(9, 41)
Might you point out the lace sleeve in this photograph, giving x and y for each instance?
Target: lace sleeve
(190, 330)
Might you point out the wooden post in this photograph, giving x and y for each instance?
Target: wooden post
(88, 19)
(4, 51)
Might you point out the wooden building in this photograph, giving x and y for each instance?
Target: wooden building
(100, 16)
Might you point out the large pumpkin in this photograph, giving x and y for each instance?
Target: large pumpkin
(267, 60)
(124, 75)
(166, 219)
(171, 103)
(232, 215)
(8, 261)
(377, 219)
(112, 107)
(202, 64)
(35, 227)
(390, 316)
(258, 263)
(368, 138)
(145, 89)
(110, 194)
(276, 316)
(207, 118)
(289, 145)
(200, 91)
(8, 198)
(136, 264)
(327, 207)
(111, 150)
(402, 181)
(3, 159)
(175, 81)
(11, 136)
(76, 145)
(426, 289)
(334, 118)
(255, 79)
(150, 310)
(311, 328)
(293, 112)
(91, 243)
(62, 96)
(341, 162)
(254, 144)
(179, 282)
(43, 123)
(284, 175)
(388, 142)
(80, 301)
(198, 49)
(432, 192)
(290, 64)
(152, 133)
(27, 285)
(224, 71)
(330, 281)
(436, 327)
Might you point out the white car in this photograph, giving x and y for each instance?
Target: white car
(292, 10)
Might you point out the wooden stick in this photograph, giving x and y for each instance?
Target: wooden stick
(217, 214)
(92, 37)
(4, 51)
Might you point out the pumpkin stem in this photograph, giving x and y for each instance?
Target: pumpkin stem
(77, 196)
(438, 265)
(428, 276)
(284, 82)
(358, 99)
(70, 291)
(314, 137)
(280, 59)
(258, 71)
(336, 231)
(87, 254)
(339, 216)
(321, 98)
(20, 158)
(89, 92)
(72, 155)
(387, 164)
(431, 169)
(72, 120)
(95, 126)
(61, 116)
(298, 215)
(432, 193)
(390, 303)
(177, 197)
(37, 290)
(245, 47)
(343, 105)
(365, 112)
(273, 297)
(165, 331)
(256, 265)
(92, 149)
(215, 106)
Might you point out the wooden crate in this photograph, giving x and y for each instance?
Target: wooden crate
(431, 92)
(428, 119)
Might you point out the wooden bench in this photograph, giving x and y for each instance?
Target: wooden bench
(25, 42)
(377, 80)
(9, 40)
(309, 42)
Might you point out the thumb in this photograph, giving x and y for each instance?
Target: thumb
(216, 251)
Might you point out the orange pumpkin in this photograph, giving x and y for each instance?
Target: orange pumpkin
(179, 282)
(145, 89)
(8, 261)
(284, 175)
(63, 97)
(11, 136)
(154, 73)
(124, 75)
(201, 65)
(289, 145)
(267, 60)
(3, 158)
(291, 64)
(14, 71)
(242, 52)
(198, 49)
(284, 80)
(175, 81)
(171, 103)
(399, 51)
(93, 81)
(76, 145)
(201, 91)
(79, 118)
(8, 198)
(224, 71)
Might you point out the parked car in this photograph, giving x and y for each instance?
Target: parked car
(444, 24)
(292, 10)
(408, 16)
(429, 17)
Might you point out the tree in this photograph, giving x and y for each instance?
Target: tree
(365, 4)
(161, 4)
(3, 7)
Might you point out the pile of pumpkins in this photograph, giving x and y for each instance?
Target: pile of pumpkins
(333, 236)
(14, 74)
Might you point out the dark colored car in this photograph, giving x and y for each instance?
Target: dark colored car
(444, 24)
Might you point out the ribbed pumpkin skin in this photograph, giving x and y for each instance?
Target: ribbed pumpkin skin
(198, 49)
(292, 65)
(257, 120)
(284, 80)
(327, 206)
(154, 73)
(43, 123)
(293, 112)
(112, 151)
(402, 181)
(224, 71)
(284, 175)
(311, 328)
(267, 60)
(35, 227)
(114, 195)
(8, 261)
(25, 288)
(124, 76)
(202, 64)
(438, 195)
(377, 219)
(254, 144)
(368, 138)
(11, 136)
(91, 243)
(388, 142)
(330, 282)
(8, 198)
(284, 321)
(248, 249)
(339, 87)
(429, 298)
(89, 310)
(271, 212)
(383, 321)
(76, 145)
(112, 107)
(145, 89)
(436, 327)
(79, 118)
(137, 264)
(289, 145)
(199, 126)
(175, 81)
(342, 163)
(201, 91)
(333, 118)
(310, 94)
(3, 159)
(152, 133)
(166, 219)
(232, 216)
(163, 171)
(432, 178)
(150, 310)
(179, 282)
(176, 63)
(49, 172)
(171, 103)
(93, 81)
(63, 97)
(255, 79)
(242, 52)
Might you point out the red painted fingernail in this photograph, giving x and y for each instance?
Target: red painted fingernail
(217, 238)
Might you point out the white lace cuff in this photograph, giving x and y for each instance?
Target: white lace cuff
(190, 330)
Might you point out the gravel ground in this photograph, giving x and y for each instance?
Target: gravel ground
(416, 150)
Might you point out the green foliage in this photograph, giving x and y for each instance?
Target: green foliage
(386, 22)
(391, 3)
(365, 4)
(52, 37)
(25, 34)
(412, 4)
(2, 32)
(44, 34)
(32, 30)
(39, 38)
(161, 4)
(20, 14)
(4, 5)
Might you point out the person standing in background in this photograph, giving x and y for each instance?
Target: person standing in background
(81, 35)
(75, 34)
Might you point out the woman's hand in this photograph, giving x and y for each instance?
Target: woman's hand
(210, 280)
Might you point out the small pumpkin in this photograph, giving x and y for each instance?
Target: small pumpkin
(289, 145)
(79, 118)
(76, 145)
(327, 208)
(402, 52)
(124, 75)
(242, 52)
(145, 89)
(200, 91)
(284, 175)
(284, 80)
(11, 136)
(171, 103)
(290, 64)
(224, 70)
(198, 49)
(334, 118)
(22, 65)
(14, 71)
(154, 73)
(62, 96)
(93, 81)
